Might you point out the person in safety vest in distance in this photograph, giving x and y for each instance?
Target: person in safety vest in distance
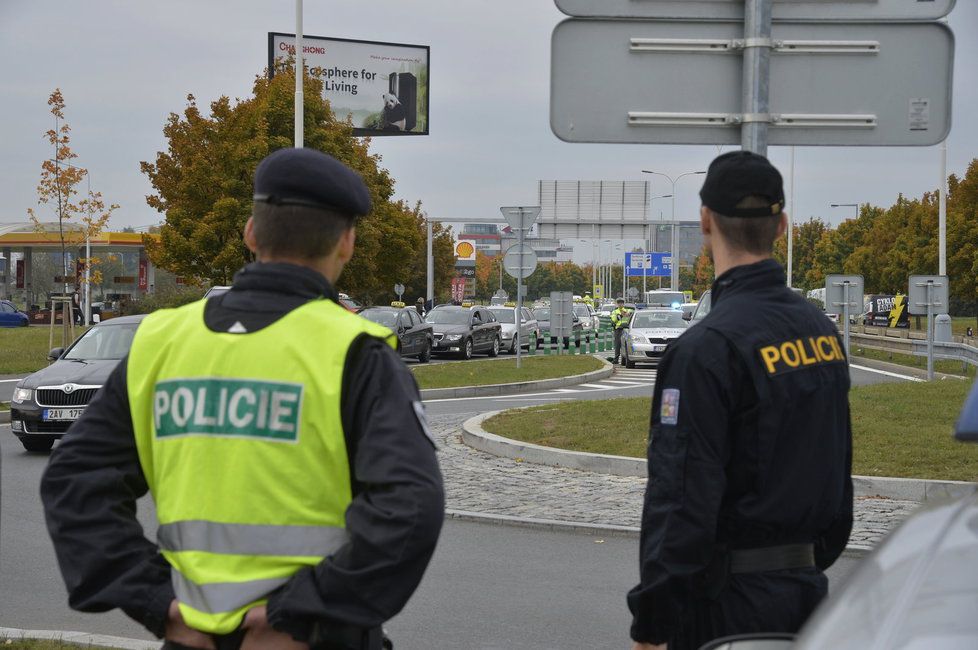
(619, 320)
(283, 441)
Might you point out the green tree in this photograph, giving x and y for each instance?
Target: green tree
(203, 186)
(805, 236)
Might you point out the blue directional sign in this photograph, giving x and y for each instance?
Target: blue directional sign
(648, 265)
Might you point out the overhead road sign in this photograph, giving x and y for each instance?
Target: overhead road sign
(793, 10)
(648, 265)
(846, 84)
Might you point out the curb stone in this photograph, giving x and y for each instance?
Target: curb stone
(906, 489)
(519, 386)
(80, 638)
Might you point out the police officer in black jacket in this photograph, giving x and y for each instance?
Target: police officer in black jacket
(749, 496)
(95, 476)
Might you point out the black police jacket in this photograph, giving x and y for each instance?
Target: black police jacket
(750, 442)
(94, 478)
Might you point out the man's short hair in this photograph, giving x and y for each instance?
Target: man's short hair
(297, 231)
(754, 235)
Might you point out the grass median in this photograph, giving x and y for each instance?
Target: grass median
(25, 349)
(491, 371)
(943, 366)
(899, 429)
(45, 644)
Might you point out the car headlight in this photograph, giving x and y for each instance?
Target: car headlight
(453, 337)
(638, 338)
(23, 395)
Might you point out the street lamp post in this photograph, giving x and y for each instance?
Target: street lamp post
(674, 245)
(88, 244)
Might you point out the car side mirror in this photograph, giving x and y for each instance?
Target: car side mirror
(687, 316)
(55, 354)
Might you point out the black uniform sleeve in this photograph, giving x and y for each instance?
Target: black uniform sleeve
(832, 542)
(89, 491)
(687, 459)
(396, 513)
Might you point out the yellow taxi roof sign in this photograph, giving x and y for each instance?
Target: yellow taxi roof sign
(398, 303)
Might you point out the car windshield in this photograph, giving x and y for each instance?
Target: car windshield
(103, 343)
(448, 317)
(504, 315)
(581, 310)
(380, 316)
(703, 307)
(654, 319)
(666, 299)
(542, 314)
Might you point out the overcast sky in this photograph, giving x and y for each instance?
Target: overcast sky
(123, 66)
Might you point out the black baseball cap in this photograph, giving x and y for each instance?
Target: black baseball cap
(734, 176)
(313, 179)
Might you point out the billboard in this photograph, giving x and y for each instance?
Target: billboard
(383, 87)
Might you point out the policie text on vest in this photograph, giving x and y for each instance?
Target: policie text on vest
(227, 407)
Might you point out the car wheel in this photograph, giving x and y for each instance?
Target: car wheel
(516, 342)
(629, 363)
(467, 349)
(494, 352)
(37, 444)
(425, 356)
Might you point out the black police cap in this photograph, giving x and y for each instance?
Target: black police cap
(734, 176)
(313, 179)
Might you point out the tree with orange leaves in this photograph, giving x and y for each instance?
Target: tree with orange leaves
(57, 190)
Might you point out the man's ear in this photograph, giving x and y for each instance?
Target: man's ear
(249, 236)
(783, 224)
(344, 247)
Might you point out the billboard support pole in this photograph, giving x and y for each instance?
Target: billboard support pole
(757, 76)
(300, 71)
(431, 267)
(519, 295)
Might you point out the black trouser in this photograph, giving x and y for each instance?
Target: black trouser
(618, 333)
(373, 639)
(772, 601)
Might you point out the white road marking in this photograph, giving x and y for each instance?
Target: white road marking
(886, 372)
(623, 383)
(596, 386)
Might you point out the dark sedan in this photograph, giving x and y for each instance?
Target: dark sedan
(416, 337)
(465, 330)
(46, 402)
(10, 316)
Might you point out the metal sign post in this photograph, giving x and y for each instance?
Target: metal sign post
(926, 293)
(520, 260)
(843, 292)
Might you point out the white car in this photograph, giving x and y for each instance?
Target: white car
(649, 332)
(529, 328)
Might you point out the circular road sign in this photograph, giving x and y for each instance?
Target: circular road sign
(632, 292)
(520, 256)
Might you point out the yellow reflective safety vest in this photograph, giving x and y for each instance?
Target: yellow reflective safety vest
(240, 437)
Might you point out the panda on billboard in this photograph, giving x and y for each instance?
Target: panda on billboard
(393, 115)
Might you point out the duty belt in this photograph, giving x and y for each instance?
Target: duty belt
(772, 558)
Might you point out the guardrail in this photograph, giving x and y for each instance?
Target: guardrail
(905, 343)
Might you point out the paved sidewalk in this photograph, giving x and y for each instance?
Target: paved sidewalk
(480, 482)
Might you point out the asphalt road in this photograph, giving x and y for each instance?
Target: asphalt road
(489, 587)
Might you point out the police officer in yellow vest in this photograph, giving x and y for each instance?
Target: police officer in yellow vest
(283, 441)
(619, 320)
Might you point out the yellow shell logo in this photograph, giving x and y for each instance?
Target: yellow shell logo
(464, 249)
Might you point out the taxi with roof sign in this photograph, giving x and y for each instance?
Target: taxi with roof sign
(415, 337)
(529, 328)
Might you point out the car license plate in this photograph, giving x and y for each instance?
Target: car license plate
(61, 414)
(658, 348)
